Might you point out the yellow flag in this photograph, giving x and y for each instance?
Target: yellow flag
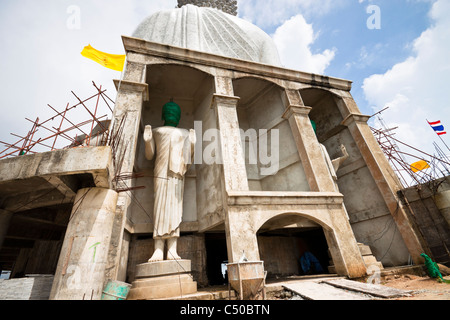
(419, 166)
(111, 61)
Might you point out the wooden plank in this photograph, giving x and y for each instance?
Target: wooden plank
(311, 290)
(367, 288)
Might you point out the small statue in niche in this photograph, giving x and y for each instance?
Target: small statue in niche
(333, 165)
(174, 150)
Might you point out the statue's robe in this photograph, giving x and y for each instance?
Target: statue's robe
(209, 30)
(174, 151)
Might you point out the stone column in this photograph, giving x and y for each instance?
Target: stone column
(225, 104)
(5, 219)
(128, 112)
(385, 179)
(316, 170)
(343, 246)
(241, 236)
(135, 72)
(81, 270)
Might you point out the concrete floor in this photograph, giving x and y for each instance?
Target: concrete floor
(284, 288)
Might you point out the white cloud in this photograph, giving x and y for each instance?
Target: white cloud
(293, 40)
(413, 88)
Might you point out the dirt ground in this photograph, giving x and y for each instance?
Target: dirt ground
(424, 288)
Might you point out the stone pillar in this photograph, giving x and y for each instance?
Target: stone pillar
(5, 219)
(128, 111)
(234, 171)
(135, 72)
(385, 179)
(343, 246)
(316, 170)
(241, 236)
(81, 270)
(232, 156)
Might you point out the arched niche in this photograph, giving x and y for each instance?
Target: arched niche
(189, 87)
(192, 89)
(271, 155)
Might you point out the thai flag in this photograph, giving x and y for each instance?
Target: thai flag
(438, 127)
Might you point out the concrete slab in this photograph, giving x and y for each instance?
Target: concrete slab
(53, 178)
(367, 288)
(94, 160)
(312, 290)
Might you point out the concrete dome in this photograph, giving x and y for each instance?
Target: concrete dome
(209, 30)
(227, 6)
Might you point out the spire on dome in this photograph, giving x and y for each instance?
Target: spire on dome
(227, 6)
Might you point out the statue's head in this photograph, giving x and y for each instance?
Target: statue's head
(171, 114)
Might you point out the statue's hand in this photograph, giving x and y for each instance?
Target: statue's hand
(148, 134)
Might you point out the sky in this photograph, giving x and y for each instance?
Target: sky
(395, 52)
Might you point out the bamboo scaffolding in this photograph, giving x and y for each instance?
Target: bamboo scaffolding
(54, 132)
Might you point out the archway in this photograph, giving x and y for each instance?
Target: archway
(293, 245)
(192, 90)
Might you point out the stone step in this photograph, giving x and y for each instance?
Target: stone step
(364, 249)
(378, 264)
(162, 268)
(366, 253)
(163, 280)
(162, 291)
(332, 269)
(369, 260)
